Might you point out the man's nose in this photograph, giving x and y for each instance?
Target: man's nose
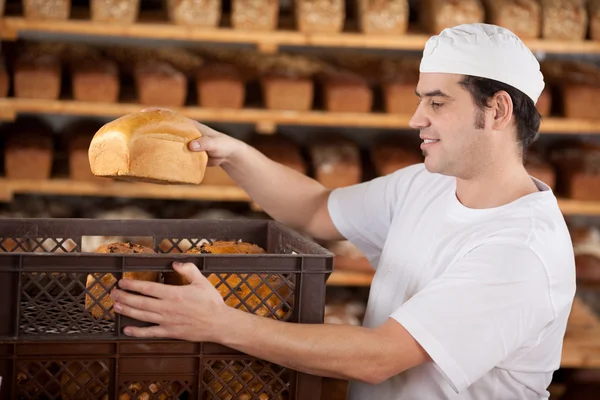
(418, 119)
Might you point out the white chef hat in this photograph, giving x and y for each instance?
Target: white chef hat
(486, 51)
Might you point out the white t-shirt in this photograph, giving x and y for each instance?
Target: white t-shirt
(486, 292)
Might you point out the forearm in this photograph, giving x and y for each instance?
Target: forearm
(337, 351)
(285, 194)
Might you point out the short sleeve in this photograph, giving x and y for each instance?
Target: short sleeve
(479, 311)
(363, 213)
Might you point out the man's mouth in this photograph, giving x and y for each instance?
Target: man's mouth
(427, 141)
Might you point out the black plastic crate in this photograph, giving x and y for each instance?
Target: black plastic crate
(47, 298)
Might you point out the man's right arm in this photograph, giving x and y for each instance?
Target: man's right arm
(287, 195)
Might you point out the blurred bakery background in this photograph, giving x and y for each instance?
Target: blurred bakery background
(324, 86)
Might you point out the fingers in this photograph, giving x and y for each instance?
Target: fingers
(205, 130)
(149, 332)
(136, 301)
(153, 289)
(140, 315)
(189, 272)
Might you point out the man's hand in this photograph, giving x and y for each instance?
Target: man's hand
(220, 147)
(192, 312)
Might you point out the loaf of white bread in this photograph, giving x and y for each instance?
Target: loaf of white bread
(149, 146)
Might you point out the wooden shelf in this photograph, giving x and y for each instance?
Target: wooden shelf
(350, 278)
(149, 27)
(581, 346)
(265, 120)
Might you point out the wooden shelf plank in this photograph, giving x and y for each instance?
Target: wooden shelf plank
(66, 187)
(12, 26)
(578, 207)
(257, 116)
(350, 278)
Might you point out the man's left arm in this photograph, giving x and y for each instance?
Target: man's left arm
(196, 312)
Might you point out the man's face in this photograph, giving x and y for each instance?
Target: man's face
(455, 141)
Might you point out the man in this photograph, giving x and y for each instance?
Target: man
(475, 269)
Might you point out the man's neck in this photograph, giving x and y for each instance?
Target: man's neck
(495, 188)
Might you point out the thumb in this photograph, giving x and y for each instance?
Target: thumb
(190, 272)
(202, 143)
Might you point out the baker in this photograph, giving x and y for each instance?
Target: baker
(475, 272)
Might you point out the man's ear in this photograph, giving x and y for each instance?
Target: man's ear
(502, 110)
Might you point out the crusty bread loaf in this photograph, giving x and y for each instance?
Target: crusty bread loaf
(336, 161)
(257, 297)
(320, 16)
(399, 78)
(96, 81)
(346, 92)
(37, 76)
(522, 17)
(247, 375)
(564, 19)
(29, 150)
(544, 103)
(437, 15)
(280, 149)
(99, 285)
(159, 84)
(115, 11)
(578, 169)
(78, 137)
(47, 9)
(149, 146)
(255, 15)
(199, 13)
(594, 19)
(539, 168)
(150, 390)
(287, 93)
(220, 85)
(382, 17)
(216, 176)
(586, 246)
(391, 154)
(4, 79)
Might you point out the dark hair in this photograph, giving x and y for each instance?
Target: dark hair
(527, 117)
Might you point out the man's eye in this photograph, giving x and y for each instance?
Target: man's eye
(436, 105)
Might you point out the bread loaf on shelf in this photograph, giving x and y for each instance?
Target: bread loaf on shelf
(78, 137)
(578, 169)
(389, 154)
(220, 85)
(594, 19)
(149, 146)
(115, 11)
(47, 9)
(399, 78)
(539, 168)
(336, 161)
(544, 103)
(37, 76)
(346, 92)
(522, 17)
(255, 15)
(98, 301)
(437, 15)
(586, 246)
(159, 84)
(198, 13)
(320, 16)
(4, 79)
(564, 19)
(382, 17)
(29, 150)
(280, 149)
(96, 80)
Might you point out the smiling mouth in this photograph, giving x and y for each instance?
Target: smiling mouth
(427, 141)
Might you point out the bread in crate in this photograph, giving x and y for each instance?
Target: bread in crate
(115, 11)
(47, 9)
(198, 13)
(399, 78)
(320, 16)
(37, 75)
(522, 17)
(336, 161)
(280, 149)
(564, 19)
(437, 15)
(4, 79)
(538, 167)
(383, 17)
(220, 85)
(389, 154)
(346, 92)
(255, 15)
(28, 150)
(577, 163)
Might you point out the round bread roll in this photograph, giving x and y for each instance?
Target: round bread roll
(149, 146)
(100, 292)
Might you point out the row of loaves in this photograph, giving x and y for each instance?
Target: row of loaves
(549, 19)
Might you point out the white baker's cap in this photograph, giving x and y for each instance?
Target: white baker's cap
(486, 51)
